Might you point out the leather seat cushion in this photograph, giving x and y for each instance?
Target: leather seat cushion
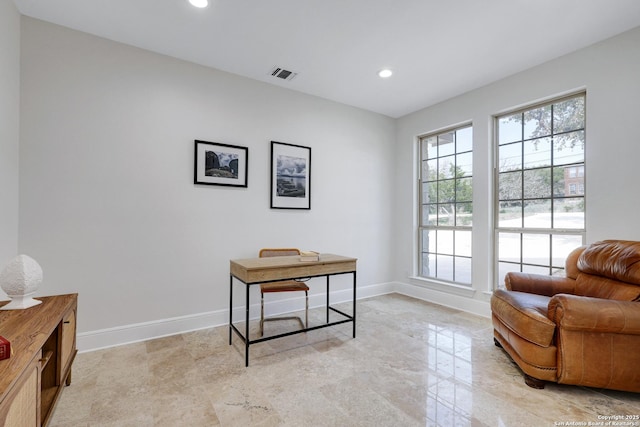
(525, 315)
(538, 362)
(284, 286)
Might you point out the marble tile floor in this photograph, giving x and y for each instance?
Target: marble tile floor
(412, 364)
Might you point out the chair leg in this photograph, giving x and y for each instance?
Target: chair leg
(261, 314)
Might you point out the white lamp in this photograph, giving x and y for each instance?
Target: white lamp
(20, 280)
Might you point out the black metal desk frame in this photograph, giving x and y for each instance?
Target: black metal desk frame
(245, 337)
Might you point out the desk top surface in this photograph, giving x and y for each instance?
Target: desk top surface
(253, 270)
(287, 261)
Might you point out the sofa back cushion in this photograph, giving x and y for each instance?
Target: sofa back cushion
(588, 285)
(610, 269)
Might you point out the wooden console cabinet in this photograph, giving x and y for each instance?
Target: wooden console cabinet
(43, 343)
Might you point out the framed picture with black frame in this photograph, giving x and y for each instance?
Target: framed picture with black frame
(220, 164)
(290, 176)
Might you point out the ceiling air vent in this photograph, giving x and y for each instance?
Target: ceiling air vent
(283, 74)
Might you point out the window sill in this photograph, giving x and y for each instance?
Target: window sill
(447, 287)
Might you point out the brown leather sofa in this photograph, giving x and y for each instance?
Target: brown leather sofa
(582, 329)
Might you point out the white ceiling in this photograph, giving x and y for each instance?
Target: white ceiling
(437, 48)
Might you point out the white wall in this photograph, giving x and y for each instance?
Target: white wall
(108, 204)
(609, 71)
(9, 130)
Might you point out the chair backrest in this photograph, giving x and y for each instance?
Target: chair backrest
(610, 269)
(614, 259)
(267, 252)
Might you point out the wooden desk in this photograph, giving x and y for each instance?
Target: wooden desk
(254, 271)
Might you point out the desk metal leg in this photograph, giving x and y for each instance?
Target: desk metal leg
(246, 328)
(327, 299)
(354, 304)
(230, 307)
(247, 307)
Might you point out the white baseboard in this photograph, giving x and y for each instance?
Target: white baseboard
(127, 334)
(112, 337)
(447, 299)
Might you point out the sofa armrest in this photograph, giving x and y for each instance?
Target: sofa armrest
(597, 315)
(596, 339)
(539, 284)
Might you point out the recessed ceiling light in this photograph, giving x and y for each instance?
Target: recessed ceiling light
(199, 3)
(385, 73)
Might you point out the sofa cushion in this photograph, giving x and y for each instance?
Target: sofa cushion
(614, 259)
(525, 314)
(588, 285)
(534, 360)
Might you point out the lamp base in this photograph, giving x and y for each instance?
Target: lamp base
(20, 302)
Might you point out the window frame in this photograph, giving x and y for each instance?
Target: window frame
(424, 226)
(537, 232)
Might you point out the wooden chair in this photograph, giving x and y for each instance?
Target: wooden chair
(283, 286)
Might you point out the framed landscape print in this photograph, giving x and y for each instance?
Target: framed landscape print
(220, 164)
(290, 176)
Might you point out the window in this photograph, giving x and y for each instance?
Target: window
(446, 205)
(540, 214)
